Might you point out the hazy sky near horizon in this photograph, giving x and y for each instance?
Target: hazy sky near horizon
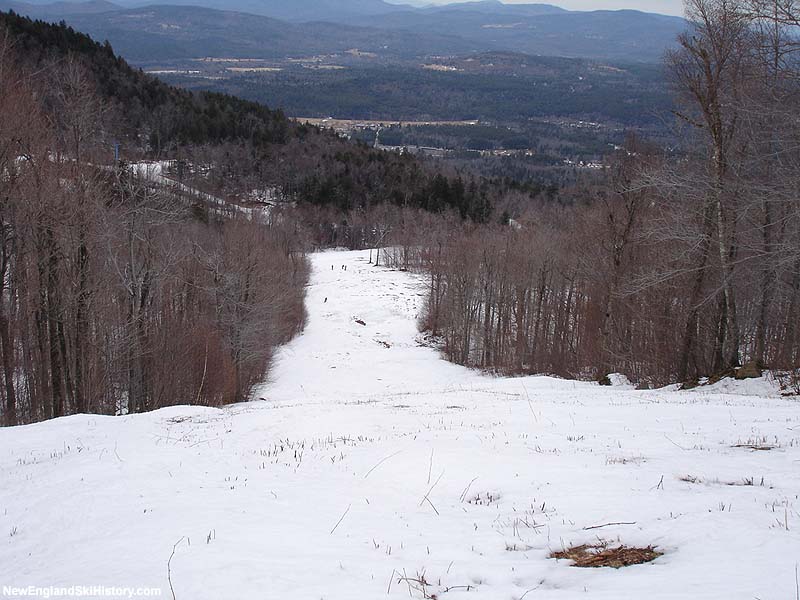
(667, 7)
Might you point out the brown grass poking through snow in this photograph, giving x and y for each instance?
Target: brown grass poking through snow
(601, 555)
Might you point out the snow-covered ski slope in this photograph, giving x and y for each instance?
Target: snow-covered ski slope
(370, 458)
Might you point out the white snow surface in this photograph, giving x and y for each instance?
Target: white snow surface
(318, 489)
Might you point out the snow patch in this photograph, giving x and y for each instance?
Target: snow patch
(367, 471)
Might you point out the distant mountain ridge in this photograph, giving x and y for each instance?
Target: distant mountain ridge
(626, 35)
(339, 11)
(496, 7)
(181, 29)
(180, 32)
(45, 10)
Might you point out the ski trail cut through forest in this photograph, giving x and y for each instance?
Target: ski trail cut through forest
(372, 468)
(361, 338)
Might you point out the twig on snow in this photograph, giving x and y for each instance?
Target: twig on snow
(796, 583)
(466, 489)
(380, 462)
(609, 525)
(391, 577)
(341, 518)
(457, 587)
(530, 404)
(169, 567)
(425, 497)
(432, 506)
(529, 591)
(675, 443)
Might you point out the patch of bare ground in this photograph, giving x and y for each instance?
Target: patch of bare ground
(602, 555)
(757, 443)
(761, 447)
(744, 482)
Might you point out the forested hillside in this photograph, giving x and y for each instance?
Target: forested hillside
(260, 148)
(645, 267)
(120, 295)
(673, 268)
(114, 296)
(152, 115)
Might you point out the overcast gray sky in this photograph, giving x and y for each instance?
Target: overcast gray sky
(667, 7)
